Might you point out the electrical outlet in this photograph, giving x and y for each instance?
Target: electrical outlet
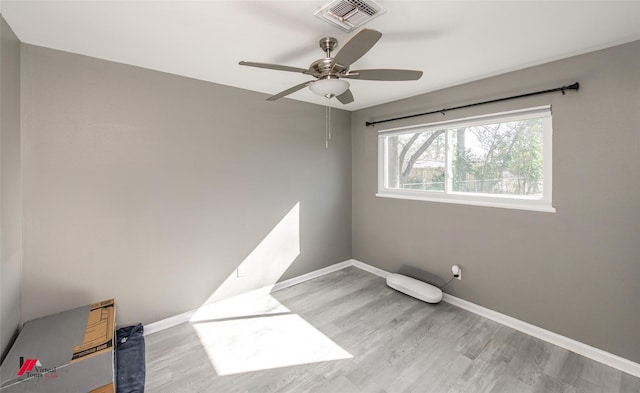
(457, 272)
(240, 271)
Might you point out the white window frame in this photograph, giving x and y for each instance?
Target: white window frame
(542, 204)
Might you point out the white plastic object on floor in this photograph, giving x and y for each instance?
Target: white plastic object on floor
(415, 288)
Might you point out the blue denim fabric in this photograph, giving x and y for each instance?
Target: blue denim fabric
(131, 369)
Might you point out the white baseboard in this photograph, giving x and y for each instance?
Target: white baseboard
(370, 269)
(309, 276)
(167, 323)
(186, 316)
(567, 343)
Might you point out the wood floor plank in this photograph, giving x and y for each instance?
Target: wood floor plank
(476, 338)
(597, 375)
(484, 372)
(508, 383)
(555, 363)
(436, 369)
(547, 384)
(571, 369)
(629, 384)
(373, 339)
(529, 362)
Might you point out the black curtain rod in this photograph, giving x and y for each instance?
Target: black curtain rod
(563, 89)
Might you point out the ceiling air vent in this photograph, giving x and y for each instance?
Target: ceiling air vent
(349, 14)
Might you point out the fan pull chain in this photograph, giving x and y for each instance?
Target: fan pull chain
(330, 122)
(327, 127)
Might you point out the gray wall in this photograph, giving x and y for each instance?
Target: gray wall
(575, 272)
(152, 188)
(10, 200)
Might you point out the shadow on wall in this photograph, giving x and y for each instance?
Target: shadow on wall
(12, 339)
(421, 275)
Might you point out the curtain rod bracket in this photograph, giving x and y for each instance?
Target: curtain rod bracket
(563, 89)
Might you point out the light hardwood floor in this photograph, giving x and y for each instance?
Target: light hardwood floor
(348, 332)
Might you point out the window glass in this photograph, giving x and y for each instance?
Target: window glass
(417, 161)
(501, 160)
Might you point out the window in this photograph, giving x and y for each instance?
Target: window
(499, 160)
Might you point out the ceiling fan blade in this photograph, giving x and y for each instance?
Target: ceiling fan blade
(384, 75)
(345, 97)
(274, 67)
(290, 91)
(357, 46)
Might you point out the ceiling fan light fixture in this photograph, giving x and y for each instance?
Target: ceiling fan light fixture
(329, 87)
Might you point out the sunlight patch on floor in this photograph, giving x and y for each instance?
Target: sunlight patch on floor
(262, 340)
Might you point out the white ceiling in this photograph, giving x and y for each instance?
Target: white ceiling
(451, 41)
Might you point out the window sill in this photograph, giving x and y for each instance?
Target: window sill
(510, 204)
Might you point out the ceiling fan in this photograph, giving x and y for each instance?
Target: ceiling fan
(330, 71)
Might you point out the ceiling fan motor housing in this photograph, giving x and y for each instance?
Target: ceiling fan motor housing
(326, 68)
